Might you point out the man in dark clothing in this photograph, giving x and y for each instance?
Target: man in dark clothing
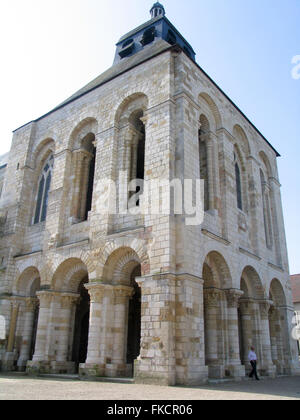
(253, 361)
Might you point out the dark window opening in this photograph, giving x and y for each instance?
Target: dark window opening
(204, 171)
(127, 48)
(89, 196)
(46, 195)
(43, 192)
(134, 320)
(238, 187)
(39, 201)
(81, 330)
(140, 165)
(34, 332)
(148, 36)
(171, 37)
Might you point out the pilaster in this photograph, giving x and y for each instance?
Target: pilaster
(100, 341)
(266, 365)
(156, 363)
(31, 305)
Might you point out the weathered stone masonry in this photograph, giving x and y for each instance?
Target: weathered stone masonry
(148, 296)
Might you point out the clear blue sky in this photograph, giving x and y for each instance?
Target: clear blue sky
(51, 48)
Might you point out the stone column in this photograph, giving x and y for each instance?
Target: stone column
(29, 315)
(273, 341)
(85, 170)
(212, 322)
(133, 154)
(9, 357)
(210, 171)
(234, 367)
(15, 305)
(125, 150)
(216, 174)
(40, 358)
(121, 306)
(62, 364)
(98, 355)
(82, 160)
(246, 311)
(266, 364)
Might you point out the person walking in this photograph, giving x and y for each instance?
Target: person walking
(253, 361)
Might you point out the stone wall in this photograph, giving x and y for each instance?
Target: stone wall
(179, 264)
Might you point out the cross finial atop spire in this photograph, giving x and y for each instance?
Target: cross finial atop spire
(157, 10)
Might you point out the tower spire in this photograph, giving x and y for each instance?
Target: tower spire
(157, 10)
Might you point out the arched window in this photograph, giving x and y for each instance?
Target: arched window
(238, 186)
(90, 184)
(43, 191)
(84, 163)
(137, 159)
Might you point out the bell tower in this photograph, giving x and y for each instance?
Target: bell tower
(157, 10)
(153, 31)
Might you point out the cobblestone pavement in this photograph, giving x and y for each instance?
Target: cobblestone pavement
(20, 387)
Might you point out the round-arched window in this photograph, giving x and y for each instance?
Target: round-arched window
(43, 191)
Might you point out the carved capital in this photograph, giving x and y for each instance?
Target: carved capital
(45, 299)
(264, 306)
(82, 153)
(233, 296)
(67, 301)
(98, 291)
(273, 312)
(124, 291)
(15, 302)
(144, 119)
(211, 298)
(31, 304)
(246, 306)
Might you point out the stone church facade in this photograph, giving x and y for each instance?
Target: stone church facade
(144, 295)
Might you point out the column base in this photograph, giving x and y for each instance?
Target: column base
(269, 370)
(90, 370)
(63, 367)
(9, 362)
(236, 372)
(290, 368)
(144, 374)
(295, 367)
(198, 376)
(22, 363)
(216, 371)
(36, 367)
(119, 371)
